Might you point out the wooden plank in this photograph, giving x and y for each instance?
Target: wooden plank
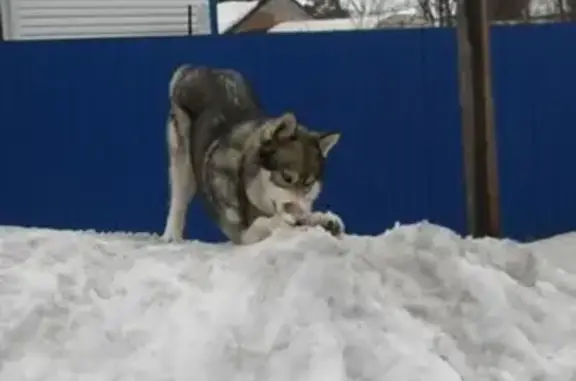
(479, 140)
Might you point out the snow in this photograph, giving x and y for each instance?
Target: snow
(560, 250)
(230, 12)
(415, 303)
(325, 25)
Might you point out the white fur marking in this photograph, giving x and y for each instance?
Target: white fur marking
(182, 184)
(323, 218)
(232, 216)
(270, 198)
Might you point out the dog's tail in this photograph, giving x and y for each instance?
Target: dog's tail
(178, 74)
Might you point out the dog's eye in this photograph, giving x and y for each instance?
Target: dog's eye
(288, 177)
(309, 181)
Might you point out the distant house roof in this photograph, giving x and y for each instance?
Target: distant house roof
(233, 14)
(325, 25)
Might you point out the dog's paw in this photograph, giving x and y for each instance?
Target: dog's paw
(169, 237)
(331, 222)
(283, 220)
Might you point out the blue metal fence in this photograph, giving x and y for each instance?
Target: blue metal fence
(82, 125)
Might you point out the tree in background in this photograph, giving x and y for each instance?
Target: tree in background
(326, 9)
(508, 10)
(571, 9)
(443, 12)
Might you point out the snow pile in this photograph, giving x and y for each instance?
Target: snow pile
(416, 303)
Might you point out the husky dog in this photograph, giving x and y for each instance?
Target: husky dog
(255, 173)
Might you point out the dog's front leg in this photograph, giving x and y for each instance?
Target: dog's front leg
(263, 227)
(327, 220)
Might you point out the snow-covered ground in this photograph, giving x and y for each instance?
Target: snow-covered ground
(417, 303)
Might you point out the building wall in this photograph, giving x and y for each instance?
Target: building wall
(63, 19)
(270, 14)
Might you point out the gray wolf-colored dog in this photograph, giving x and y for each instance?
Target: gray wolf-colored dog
(255, 173)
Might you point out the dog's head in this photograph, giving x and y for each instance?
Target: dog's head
(291, 163)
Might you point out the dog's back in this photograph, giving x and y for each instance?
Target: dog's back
(198, 89)
(215, 101)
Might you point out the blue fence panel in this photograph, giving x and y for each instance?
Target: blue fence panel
(534, 78)
(82, 140)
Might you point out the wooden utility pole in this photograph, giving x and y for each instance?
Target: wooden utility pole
(481, 174)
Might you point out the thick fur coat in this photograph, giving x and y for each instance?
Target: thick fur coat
(255, 173)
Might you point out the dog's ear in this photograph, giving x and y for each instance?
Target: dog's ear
(327, 140)
(284, 127)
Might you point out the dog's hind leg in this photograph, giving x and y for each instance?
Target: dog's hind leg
(181, 176)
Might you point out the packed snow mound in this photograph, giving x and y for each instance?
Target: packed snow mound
(416, 303)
